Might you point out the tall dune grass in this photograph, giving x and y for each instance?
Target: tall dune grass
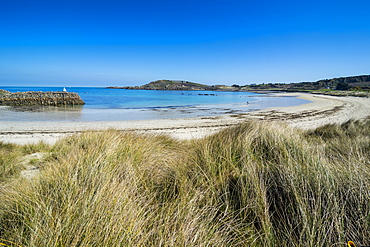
(9, 153)
(11, 157)
(256, 184)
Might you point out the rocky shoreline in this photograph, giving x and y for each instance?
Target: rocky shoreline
(40, 98)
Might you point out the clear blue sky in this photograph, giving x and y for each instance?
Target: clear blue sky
(120, 43)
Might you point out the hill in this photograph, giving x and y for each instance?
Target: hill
(178, 85)
(357, 83)
(361, 82)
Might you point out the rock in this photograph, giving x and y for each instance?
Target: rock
(40, 98)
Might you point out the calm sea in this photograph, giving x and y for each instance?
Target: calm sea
(102, 104)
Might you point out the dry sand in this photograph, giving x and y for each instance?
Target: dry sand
(323, 110)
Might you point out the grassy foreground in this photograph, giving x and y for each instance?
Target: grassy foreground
(256, 184)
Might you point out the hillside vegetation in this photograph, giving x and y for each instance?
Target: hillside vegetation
(359, 84)
(256, 184)
(356, 83)
(177, 85)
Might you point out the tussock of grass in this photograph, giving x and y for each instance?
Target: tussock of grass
(11, 157)
(35, 147)
(9, 153)
(255, 184)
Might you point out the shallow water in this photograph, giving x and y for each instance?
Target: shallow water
(122, 105)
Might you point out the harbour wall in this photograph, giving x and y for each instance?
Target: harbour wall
(40, 98)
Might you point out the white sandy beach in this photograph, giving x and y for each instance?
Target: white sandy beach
(322, 110)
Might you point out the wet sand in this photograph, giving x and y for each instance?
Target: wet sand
(322, 110)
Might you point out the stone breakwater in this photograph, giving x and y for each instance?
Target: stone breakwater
(40, 98)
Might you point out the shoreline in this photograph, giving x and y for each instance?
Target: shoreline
(322, 109)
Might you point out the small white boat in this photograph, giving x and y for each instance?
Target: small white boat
(64, 89)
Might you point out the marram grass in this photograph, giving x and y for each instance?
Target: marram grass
(255, 184)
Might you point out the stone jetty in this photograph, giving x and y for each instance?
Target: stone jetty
(40, 98)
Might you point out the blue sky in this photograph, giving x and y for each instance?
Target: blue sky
(120, 43)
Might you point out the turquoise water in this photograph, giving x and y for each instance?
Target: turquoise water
(103, 104)
(103, 98)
